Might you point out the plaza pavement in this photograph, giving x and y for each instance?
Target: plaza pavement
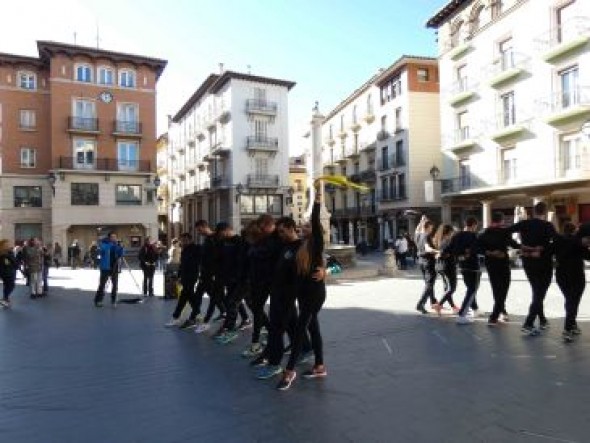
(74, 373)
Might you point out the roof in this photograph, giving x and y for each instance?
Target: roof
(400, 63)
(445, 12)
(215, 82)
(48, 49)
(20, 60)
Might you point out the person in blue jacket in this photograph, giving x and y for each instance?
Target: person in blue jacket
(110, 253)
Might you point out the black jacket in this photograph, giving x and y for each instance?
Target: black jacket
(209, 257)
(570, 254)
(463, 246)
(190, 258)
(232, 259)
(493, 240)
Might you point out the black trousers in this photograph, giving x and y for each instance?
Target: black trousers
(216, 298)
(572, 286)
(449, 278)
(429, 275)
(187, 295)
(539, 272)
(499, 274)
(234, 304)
(471, 280)
(113, 276)
(148, 279)
(8, 283)
(282, 318)
(310, 298)
(259, 294)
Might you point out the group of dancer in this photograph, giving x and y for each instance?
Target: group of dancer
(541, 246)
(270, 260)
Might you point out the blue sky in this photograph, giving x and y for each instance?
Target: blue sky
(328, 47)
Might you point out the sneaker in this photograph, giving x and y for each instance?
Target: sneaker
(544, 325)
(245, 324)
(259, 362)
(567, 336)
(189, 323)
(315, 373)
(504, 318)
(437, 308)
(203, 327)
(98, 304)
(266, 372)
(286, 381)
(4, 303)
(421, 310)
(173, 322)
(305, 357)
(530, 330)
(492, 322)
(254, 350)
(575, 330)
(227, 337)
(464, 320)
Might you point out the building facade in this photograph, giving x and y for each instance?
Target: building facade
(298, 189)
(163, 196)
(77, 142)
(385, 135)
(229, 151)
(514, 101)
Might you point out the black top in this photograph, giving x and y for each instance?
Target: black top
(570, 254)
(232, 258)
(463, 246)
(8, 265)
(209, 257)
(286, 269)
(493, 243)
(148, 255)
(262, 259)
(190, 257)
(316, 240)
(535, 233)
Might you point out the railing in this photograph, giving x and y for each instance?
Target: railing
(368, 175)
(397, 161)
(105, 164)
(364, 146)
(260, 142)
(508, 60)
(219, 181)
(463, 84)
(83, 124)
(263, 181)
(463, 183)
(564, 100)
(388, 196)
(127, 127)
(256, 105)
(567, 31)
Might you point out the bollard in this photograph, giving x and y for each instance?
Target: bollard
(389, 266)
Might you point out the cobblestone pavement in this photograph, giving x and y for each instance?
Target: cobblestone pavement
(74, 373)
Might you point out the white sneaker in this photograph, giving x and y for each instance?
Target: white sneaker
(478, 314)
(463, 320)
(174, 322)
(203, 327)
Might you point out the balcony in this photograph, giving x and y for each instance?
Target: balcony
(398, 195)
(201, 164)
(352, 152)
(368, 175)
(566, 107)
(342, 134)
(220, 148)
(355, 126)
(339, 157)
(330, 141)
(383, 135)
(127, 128)
(224, 116)
(462, 91)
(367, 147)
(263, 181)
(220, 181)
(369, 117)
(458, 184)
(458, 50)
(509, 126)
(83, 125)
(463, 139)
(104, 164)
(200, 133)
(507, 68)
(264, 107)
(260, 143)
(566, 39)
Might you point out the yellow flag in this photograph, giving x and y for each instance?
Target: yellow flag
(340, 180)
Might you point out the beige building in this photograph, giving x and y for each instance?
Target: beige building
(515, 107)
(298, 188)
(385, 135)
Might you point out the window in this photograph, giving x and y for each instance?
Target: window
(331, 132)
(128, 118)
(128, 195)
(84, 112)
(384, 188)
(569, 87)
(506, 54)
(398, 119)
(27, 80)
(391, 89)
(127, 156)
(462, 78)
(464, 174)
(566, 25)
(496, 8)
(106, 76)
(127, 79)
(342, 123)
(423, 75)
(509, 164)
(28, 119)
(261, 167)
(260, 94)
(260, 129)
(572, 153)
(354, 118)
(508, 111)
(393, 188)
(399, 153)
(84, 194)
(384, 123)
(84, 153)
(83, 73)
(298, 186)
(384, 158)
(28, 197)
(462, 126)
(401, 186)
(28, 158)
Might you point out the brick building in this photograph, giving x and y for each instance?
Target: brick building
(78, 144)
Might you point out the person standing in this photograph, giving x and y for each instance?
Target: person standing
(148, 256)
(111, 253)
(171, 273)
(493, 243)
(33, 260)
(446, 266)
(401, 251)
(57, 255)
(464, 248)
(8, 268)
(94, 255)
(75, 252)
(46, 266)
(570, 254)
(188, 272)
(536, 238)
(426, 259)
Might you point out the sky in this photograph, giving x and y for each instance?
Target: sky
(328, 47)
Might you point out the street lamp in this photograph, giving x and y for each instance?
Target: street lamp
(434, 172)
(52, 178)
(157, 181)
(239, 191)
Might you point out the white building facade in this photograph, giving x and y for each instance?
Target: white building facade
(386, 136)
(229, 151)
(515, 94)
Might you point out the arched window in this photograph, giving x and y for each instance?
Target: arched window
(456, 33)
(27, 80)
(83, 73)
(127, 78)
(475, 18)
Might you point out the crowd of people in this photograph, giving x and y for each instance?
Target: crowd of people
(441, 252)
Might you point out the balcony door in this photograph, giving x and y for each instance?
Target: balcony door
(569, 87)
(509, 165)
(84, 113)
(84, 154)
(464, 174)
(127, 118)
(128, 156)
(572, 154)
(505, 48)
(565, 17)
(508, 109)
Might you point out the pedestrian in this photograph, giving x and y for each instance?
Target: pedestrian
(171, 272)
(8, 267)
(46, 266)
(536, 238)
(570, 254)
(493, 243)
(148, 256)
(310, 292)
(94, 255)
(401, 251)
(162, 256)
(57, 255)
(74, 253)
(188, 272)
(446, 265)
(111, 253)
(426, 259)
(33, 260)
(463, 246)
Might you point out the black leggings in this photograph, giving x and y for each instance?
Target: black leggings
(8, 286)
(539, 272)
(234, 303)
(449, 278)
(572, 286)
(148, 279)
(310, 298)
(259, 295)
(215, 291)
(186, 295)
(499, 274)
(429, 275)
(471, 280)
(282, 318)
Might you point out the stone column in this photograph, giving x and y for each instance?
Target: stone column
(446, 213)
(381, 235)
(486, 213)
(350, 233)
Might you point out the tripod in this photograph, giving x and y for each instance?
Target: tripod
(124, 261)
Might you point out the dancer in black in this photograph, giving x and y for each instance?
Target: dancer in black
(446, 266)
(426, 259)
(493, 243)
(570, 254)
(536, 238)
(148, 256)
(463, 247)
(310, 291)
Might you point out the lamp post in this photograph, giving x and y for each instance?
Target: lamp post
(434, 172)
(52, 178)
